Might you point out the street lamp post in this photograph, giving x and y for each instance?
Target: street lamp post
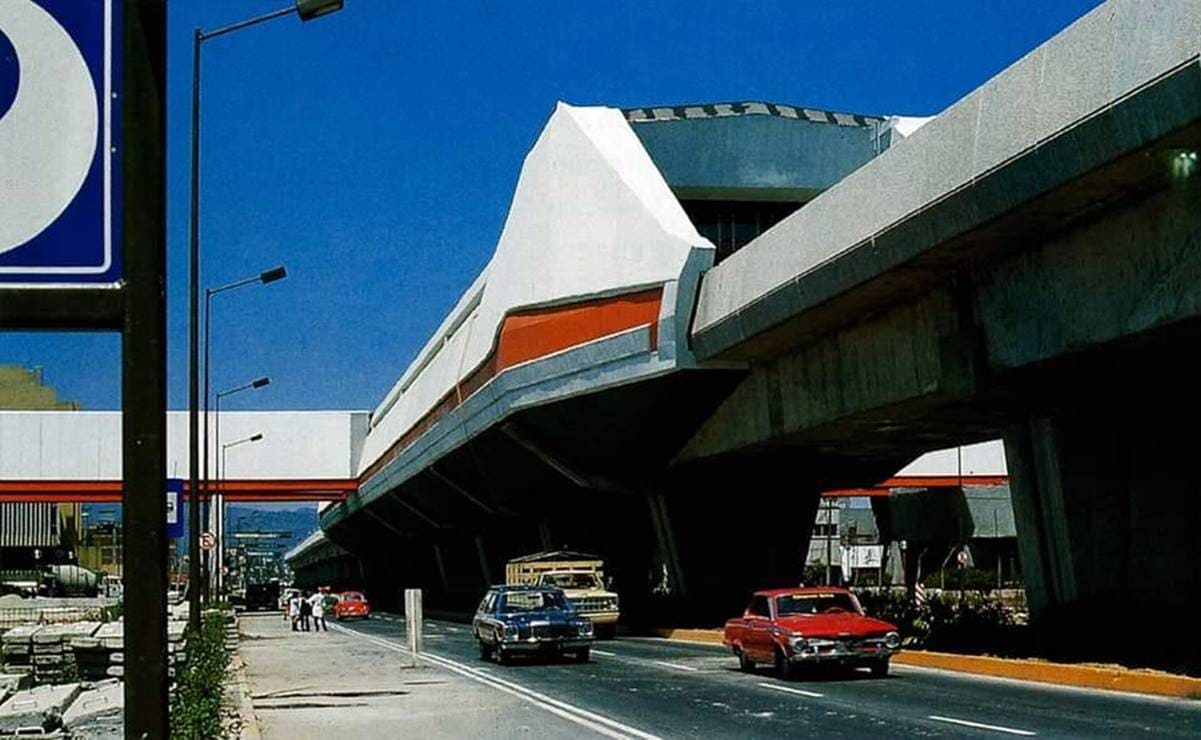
(220, 565)
(216, 500)
(264, 278)
(306, 10)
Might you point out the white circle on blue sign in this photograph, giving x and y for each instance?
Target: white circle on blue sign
(48, 133)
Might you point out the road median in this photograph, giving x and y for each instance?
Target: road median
(1109, 678)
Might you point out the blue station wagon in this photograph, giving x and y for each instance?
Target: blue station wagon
(514, 620)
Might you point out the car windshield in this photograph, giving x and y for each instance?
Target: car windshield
(533, 601)
(570, 580)
(803, 604)
(352, 597)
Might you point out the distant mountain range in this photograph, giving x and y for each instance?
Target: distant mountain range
(297, 520)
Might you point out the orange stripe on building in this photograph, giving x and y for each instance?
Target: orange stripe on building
(930, 481)
(535, 333)
(529, 335)
(78, 491)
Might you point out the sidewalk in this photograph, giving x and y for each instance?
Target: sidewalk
(330, 684)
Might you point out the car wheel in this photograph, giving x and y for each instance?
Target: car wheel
(783, 666)
(583, 654)
(485, 651)
(880, 668)
(745, 663)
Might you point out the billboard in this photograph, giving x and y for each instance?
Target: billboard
(60, 99)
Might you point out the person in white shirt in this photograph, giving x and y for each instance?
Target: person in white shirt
(294, 611)
(317, 602)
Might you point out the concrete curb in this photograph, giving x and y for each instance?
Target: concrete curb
(1081, 676)
(241, 690)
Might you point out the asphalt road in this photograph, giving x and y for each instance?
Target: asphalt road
(635, 687)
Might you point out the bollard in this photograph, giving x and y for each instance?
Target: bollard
(413, 623)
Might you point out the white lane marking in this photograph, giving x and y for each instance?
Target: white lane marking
(982, 726)
(595, 722)
(453, 629)
(604, 652)
(798, 692)
(677, 666)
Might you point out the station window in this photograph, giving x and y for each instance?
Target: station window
(731, 224)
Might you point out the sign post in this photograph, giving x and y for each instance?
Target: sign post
(83, 247)
(174, 508)
(413, 624)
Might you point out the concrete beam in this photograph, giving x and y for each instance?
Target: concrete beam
(1092, 95)
(560, 466)
(918, 352)
(452, 485)
(409, 507)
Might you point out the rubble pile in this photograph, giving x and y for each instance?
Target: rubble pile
(79, 710)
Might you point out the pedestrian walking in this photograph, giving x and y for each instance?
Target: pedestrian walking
(294, 611)
(317, 604)
(306, 609)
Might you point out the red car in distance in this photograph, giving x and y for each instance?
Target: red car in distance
(351, 605)
(792, 627)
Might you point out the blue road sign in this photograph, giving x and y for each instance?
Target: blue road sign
(174, 505)
(60, 185)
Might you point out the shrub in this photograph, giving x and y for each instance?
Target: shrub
(199, 700)
(953, 621)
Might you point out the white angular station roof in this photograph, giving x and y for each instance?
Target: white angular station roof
(591, 217)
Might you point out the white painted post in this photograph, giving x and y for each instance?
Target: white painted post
(413, 623)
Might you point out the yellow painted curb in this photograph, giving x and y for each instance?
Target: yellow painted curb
(709, 637)
(1082, 676)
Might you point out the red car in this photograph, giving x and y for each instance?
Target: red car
(791, 627)
(351, 604)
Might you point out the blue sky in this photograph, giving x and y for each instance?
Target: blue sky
(374, 152)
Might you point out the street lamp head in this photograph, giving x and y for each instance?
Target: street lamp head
(260, 382)
(310, 9)
(275, 273)
(256, 438)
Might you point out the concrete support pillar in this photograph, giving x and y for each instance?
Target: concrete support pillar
(482, 553)
(737, 527)
(441, 568)
(669, 553)
(1107, 499)
(1037, 489)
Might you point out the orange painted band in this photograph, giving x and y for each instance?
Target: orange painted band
(534, 333)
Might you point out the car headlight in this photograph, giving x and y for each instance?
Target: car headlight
(799, 643)
(892, 640)
(585, 628)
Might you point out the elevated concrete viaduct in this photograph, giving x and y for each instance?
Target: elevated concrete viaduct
(699, 317)
(1026, 265)
(546, 409)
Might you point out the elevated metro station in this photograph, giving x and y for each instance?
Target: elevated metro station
(699, 318)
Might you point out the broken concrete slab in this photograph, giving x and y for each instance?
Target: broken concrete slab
(98, 712)
(41, 707)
